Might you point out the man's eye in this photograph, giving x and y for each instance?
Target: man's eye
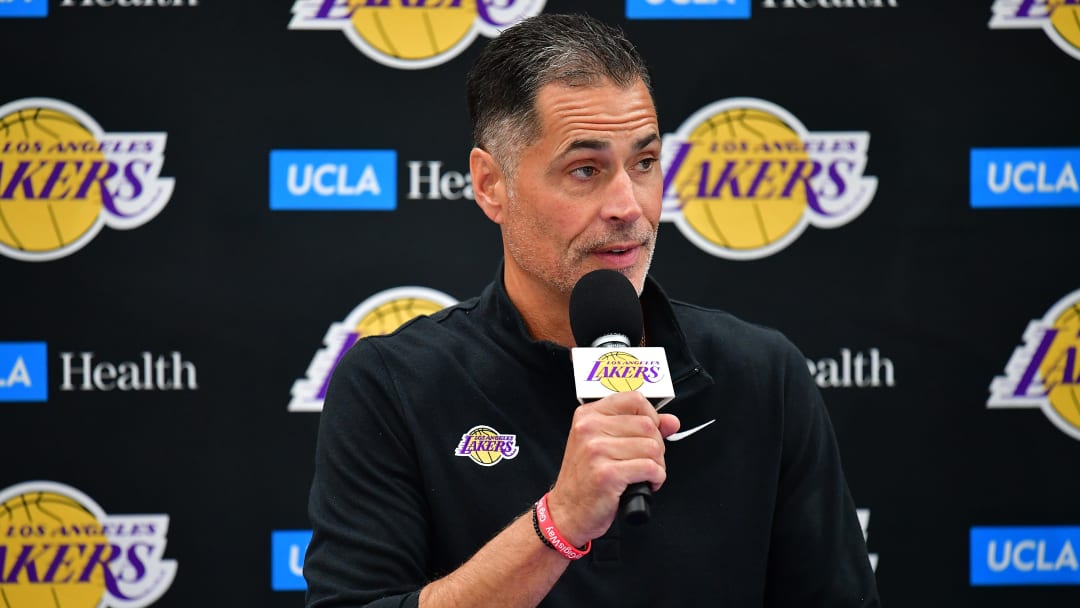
(585, 171)
(646, 163)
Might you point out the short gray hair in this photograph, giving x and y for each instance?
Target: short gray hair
(574, 50)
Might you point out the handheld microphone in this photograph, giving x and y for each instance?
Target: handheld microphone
(605, 316)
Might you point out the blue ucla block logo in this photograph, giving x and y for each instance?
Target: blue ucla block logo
(687, 9)
(287, 549)
(1033, 555)
(24, 372)
(24, 8)
(333, 180)
(1025, 177)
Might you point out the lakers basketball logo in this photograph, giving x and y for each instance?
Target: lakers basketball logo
(1044, 373)
(743, 178)
(378, 315)
(487, 447)
(412, 34)
(621, 372)
(1059, 19)
(62, 549)
(63, 178)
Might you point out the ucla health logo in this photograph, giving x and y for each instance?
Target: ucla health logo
(24, 8)
(1033, 555)
(63, 550)
(287, 550)
(1024, 177)
(1060, 19)
(687, 9)
(333, 180)
(743, 178)
(487, 447)
(24, 372)
(62, 178)
(1044, 373)
(380, 314)
(412, 34)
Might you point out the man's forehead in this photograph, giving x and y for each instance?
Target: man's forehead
(590, 116)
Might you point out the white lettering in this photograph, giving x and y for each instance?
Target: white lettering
(991, 178)
(130, 3)
(369, 182)
(1023, 566)
(994, 564)
(1024, 167)
(84, 371)
(321, 188)
(1067, 559)
(829, 3)
(1067, 179)
(296, 562)
(451, 185)
(290, 181)
(18, 375)
(858, 369)
(155, 373)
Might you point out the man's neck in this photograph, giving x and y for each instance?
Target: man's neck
(546, 314)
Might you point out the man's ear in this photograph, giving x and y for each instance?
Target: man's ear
(489, 184)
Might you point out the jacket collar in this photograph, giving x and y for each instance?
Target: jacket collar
(662, 329)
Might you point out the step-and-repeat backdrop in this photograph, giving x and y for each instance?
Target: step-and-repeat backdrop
(204, 203)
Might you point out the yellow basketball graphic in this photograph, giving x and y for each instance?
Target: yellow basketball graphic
(1066, 20)
(621, 361)
(413, 32)
(387, 317)
(758, 216)
(49, 216)
(484, 457)
(48, 520)
(1062, 360)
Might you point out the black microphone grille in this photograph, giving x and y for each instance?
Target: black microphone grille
(605, 302)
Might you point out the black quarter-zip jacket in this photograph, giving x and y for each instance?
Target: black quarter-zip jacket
(755, 510)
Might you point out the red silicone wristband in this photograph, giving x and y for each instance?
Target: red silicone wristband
(552, 536)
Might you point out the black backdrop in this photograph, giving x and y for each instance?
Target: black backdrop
(246, 294)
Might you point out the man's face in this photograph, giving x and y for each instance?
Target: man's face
(587, 194)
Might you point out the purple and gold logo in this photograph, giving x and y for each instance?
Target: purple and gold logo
(487, 447)
(62, 178)
(59, 548)
(1059, 19)
(378, 315)
(621, 372)
(412, 34)
(743, 178)
(1044, 373)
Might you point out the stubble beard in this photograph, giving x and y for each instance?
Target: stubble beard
(564, 274)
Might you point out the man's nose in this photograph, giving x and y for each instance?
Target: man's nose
(620, 200)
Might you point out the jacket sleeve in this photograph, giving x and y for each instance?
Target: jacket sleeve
(367, 510)
(817, 555)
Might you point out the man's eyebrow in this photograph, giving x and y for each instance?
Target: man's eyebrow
(645, 141)
(599, 144)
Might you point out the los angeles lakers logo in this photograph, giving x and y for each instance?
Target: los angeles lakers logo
(62, 178)
(743, 178)
(1045, 372)
(62, 549)
(378, 315)
(1059, 19)
(486, 446)
(621, 372)
(412, 34)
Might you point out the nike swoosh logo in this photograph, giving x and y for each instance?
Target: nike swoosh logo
(684, 434)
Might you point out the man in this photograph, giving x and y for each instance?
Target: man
(751, 510)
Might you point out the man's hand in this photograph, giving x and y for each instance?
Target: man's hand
(613, 442)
